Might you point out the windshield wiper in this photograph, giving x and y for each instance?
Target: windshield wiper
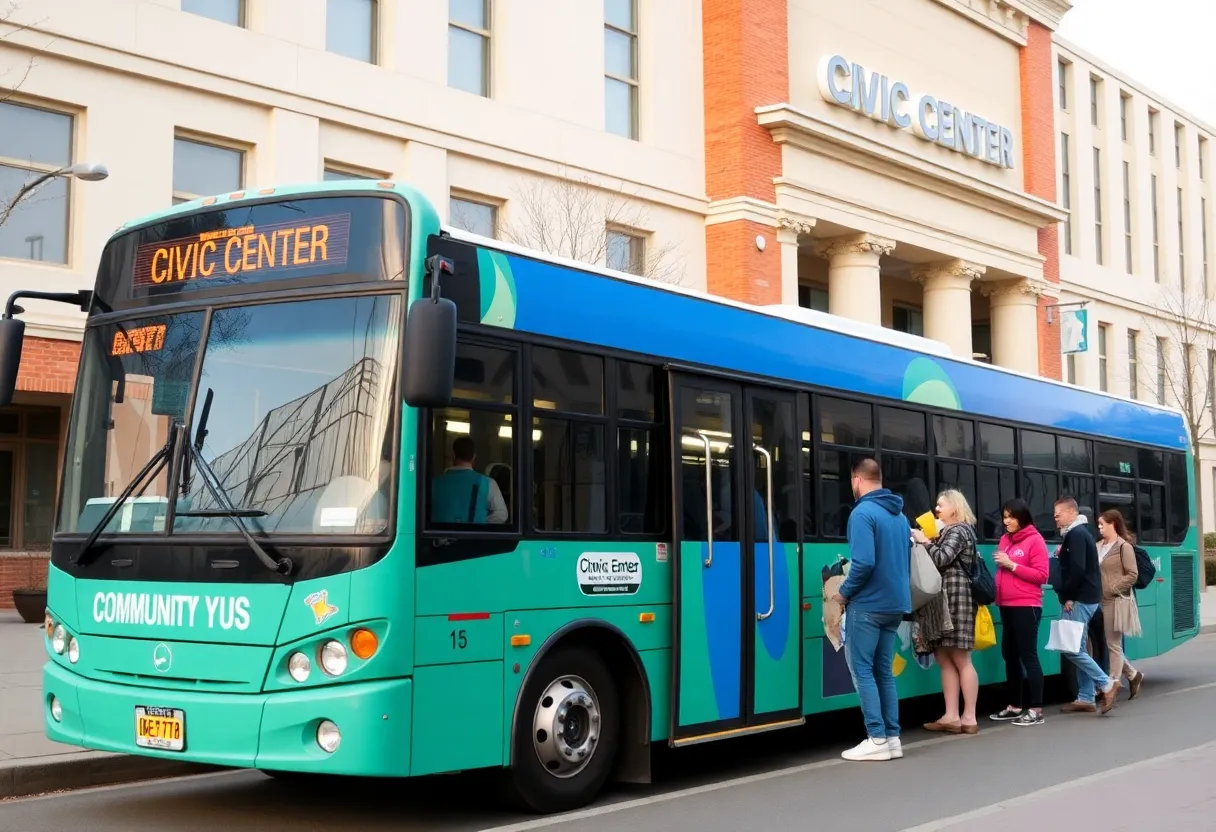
(193, 453)
(145, 476)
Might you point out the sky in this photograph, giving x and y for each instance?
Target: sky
(1164, 45)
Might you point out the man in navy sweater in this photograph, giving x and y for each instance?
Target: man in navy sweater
(1080, 594)
(877, 594)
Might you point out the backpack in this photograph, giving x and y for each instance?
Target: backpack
(1145, 570)
(983, 585)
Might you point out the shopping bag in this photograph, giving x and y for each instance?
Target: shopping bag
(928, 524)
(1067, 636)
(926, 580)
(985, 630)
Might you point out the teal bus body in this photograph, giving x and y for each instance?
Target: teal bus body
(703, 639)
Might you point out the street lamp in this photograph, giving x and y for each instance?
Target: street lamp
(84, 171)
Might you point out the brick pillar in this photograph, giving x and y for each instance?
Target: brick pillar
(48, 365)
(746, 66)
(1039, 167)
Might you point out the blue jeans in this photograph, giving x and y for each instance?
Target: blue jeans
(870, 650)
(1090, 676)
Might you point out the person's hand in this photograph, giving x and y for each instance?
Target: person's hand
(839, 599)
(1003, 560)
(1068, 606)
(919, 537)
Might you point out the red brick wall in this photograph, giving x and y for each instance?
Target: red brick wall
(15, 574)
(48, 365)
(1039, 171)
(746, 64)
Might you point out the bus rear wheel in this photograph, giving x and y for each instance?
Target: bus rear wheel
(566, 732)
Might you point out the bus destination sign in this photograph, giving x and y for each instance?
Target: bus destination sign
(250, 252)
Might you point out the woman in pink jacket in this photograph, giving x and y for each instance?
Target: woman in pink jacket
(1022, 569)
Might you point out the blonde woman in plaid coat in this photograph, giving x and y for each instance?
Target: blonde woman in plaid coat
(954, 552)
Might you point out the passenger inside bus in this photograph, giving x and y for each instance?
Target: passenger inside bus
(461, 494)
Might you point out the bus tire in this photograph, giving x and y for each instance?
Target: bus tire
(566, 732)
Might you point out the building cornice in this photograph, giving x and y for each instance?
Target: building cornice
(789, 125)
(1011, 18)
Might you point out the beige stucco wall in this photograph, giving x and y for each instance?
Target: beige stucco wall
(134, 72)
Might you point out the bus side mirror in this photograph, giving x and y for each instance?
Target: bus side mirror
(430, 352)
(12, 334)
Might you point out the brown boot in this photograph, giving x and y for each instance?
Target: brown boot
(1079, 707)
(1134, 685)
(1109, 698)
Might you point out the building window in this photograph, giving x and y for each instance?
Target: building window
(1098, 205)
(1203, 151)
(1102, 330)
(201, 169)
(621, 67)
(626, 252)
(474, 217)
(1095, 89)
(29, 475)
(1162, 353)
(1156, 231)
(350, 28)
(33, 143)
(1127, 217)
(813, 297)
(1178, 145)
(1070, 364)
(1152, 132)
(1066, 190)
(1203, 230)
(469, 46)
(1133, 379)
(981, 342)
(1124, 100)
(231, 12)
(1062, 72)
(1181, 241)
(907, 319)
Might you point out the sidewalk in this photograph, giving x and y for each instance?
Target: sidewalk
(29, 762)
(1207, 610)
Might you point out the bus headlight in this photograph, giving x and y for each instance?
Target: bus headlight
(59, 639)
(56, 709)
(333, 658)
(299, 667)
(328, 736)
(73, 650)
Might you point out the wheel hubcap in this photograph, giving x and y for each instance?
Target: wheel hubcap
(566, 726)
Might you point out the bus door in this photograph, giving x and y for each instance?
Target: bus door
(737, 657)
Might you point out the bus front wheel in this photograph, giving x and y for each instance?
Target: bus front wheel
(566, 732)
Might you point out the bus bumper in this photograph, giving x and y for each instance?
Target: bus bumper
(276, 731)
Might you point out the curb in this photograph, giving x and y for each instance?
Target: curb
(79, 770)
(1207, 629)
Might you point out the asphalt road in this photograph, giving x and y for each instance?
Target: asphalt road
(782, 781)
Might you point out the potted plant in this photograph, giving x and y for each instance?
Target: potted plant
(30, 598)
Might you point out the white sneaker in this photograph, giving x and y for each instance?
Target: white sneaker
(897, 747)
(868, 750)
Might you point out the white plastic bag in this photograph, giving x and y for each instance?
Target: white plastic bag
(926, 580)
(1066, 636)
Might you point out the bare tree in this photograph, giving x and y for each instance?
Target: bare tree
(12, 76)
(569, 217)
(1185, 322)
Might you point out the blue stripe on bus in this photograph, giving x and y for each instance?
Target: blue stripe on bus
(567, 303)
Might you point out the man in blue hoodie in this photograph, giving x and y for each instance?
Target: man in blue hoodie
(877, 594)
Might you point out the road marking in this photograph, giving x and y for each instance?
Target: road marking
(1000, 806)
(1188, 690)
(637, 803)
(52, 794)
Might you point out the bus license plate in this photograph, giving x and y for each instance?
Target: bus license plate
(161, 728)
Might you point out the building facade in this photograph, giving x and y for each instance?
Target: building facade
(1135, 176)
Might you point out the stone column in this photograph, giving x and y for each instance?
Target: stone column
(854, 290)
(790, 230)
(948, 302)
(1015, 324)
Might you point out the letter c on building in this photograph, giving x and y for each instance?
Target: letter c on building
(829, 67)
(899, 97)
(926, 124)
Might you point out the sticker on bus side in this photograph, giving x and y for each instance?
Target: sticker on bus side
(609, 573)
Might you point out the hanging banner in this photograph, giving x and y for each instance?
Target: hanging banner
(1074, 331)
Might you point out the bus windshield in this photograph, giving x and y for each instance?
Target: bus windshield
(299, 428)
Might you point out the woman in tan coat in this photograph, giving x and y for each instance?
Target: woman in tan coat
(1119, 613)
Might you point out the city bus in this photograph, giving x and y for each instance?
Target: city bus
(348, 492)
